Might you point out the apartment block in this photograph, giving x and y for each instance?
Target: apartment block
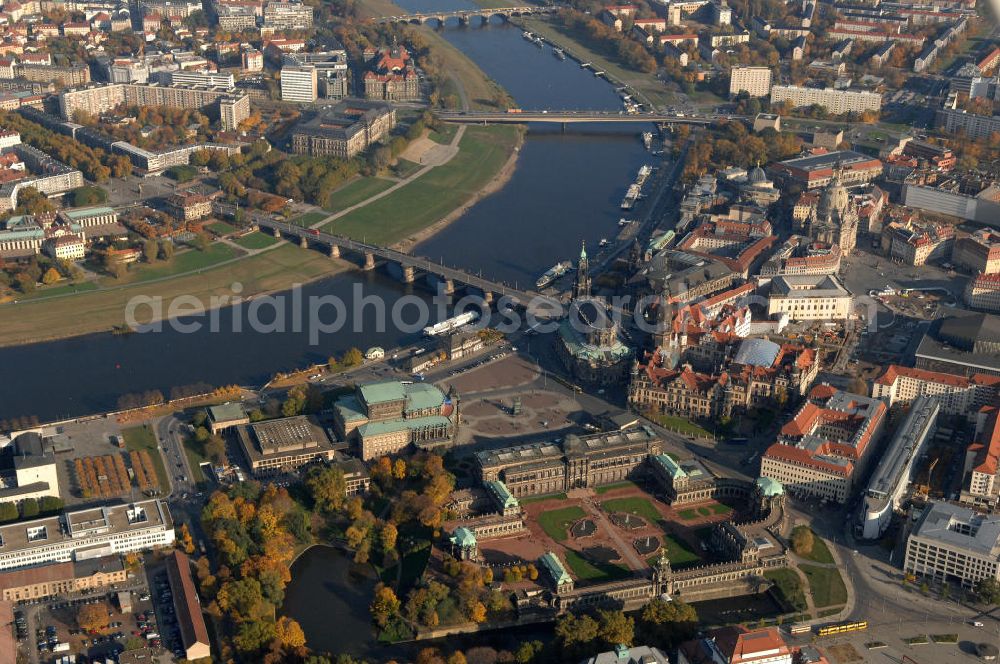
(899, 386)
(755, 81)
(835, 101)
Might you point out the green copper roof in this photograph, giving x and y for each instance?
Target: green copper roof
(502, 494)
(669, 465)
(227, 412)
(583, 250)
(770, 487)
(373, 393)
(555, 568)
(83, 213)
(463, 537)
(409, 424)
(420, 396)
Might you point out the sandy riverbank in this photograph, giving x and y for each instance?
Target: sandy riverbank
(498, 182)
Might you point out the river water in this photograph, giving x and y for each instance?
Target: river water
(565, 190)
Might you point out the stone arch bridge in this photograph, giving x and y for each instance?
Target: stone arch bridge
(465, 15)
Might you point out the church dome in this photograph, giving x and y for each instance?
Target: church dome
(757, 175)
(834, 199)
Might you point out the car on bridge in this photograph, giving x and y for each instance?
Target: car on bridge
(313, 231)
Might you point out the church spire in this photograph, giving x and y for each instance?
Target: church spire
(581, 288)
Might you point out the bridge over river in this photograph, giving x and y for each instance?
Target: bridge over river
(570, 117)
(464, 15)
(448, 278)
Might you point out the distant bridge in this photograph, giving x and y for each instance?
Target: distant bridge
(463, 16)
(448, 278)
(569, 117)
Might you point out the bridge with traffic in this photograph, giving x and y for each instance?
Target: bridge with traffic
(517, 116)
(464, 15)
(444, 278)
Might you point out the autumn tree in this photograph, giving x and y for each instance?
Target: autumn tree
(289, 633)
(51, 276)
(327, 487)
(388, 536)
(671, 621)
(184, 540)
(615, 627)
(802, 540)
(92, 617)
(385, 605)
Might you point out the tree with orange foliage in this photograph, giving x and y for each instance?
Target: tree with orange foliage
(289, 633)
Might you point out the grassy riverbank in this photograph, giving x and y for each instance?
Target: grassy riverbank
(483, 151)
(277, 269)
(647, 85)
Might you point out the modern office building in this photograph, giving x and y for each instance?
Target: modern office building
(954, 543)
(282, 445)
(888, 484)
(332, 75)
(825, 446)
(210, 79)
(299, 83)
(755, 81)
(809, 297)
(965, 344)
(288, 16)
(86, 534)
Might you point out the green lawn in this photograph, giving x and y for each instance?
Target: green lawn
(413, 207)
(542, 499)
(585, 570)
(404, 168)
(680, 425)
(556, 522)
(445, 133)
(221, 228)
(790, 587)
(689, 514)
(827, 587)
(42, 293)
(679, 553)
(356, 191)
(256, 240)
(185, 261)
(633, 505)
(196, 456)
(143, 438)
(309, 218)
(601, 490)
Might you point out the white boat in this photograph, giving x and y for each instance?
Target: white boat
(647, 139)
(451, 324)
(603, 242)
(553, 273)
(631, 196)
(558, 52)
(527, 35)
(643, 175)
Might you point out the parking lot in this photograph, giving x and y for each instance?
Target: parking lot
(47, 629)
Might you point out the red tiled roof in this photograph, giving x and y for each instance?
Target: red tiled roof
(894, 371)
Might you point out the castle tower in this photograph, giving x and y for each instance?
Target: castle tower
(581, 288)
(663, 575)
(662, 331)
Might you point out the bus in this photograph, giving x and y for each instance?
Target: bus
(843, 628)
